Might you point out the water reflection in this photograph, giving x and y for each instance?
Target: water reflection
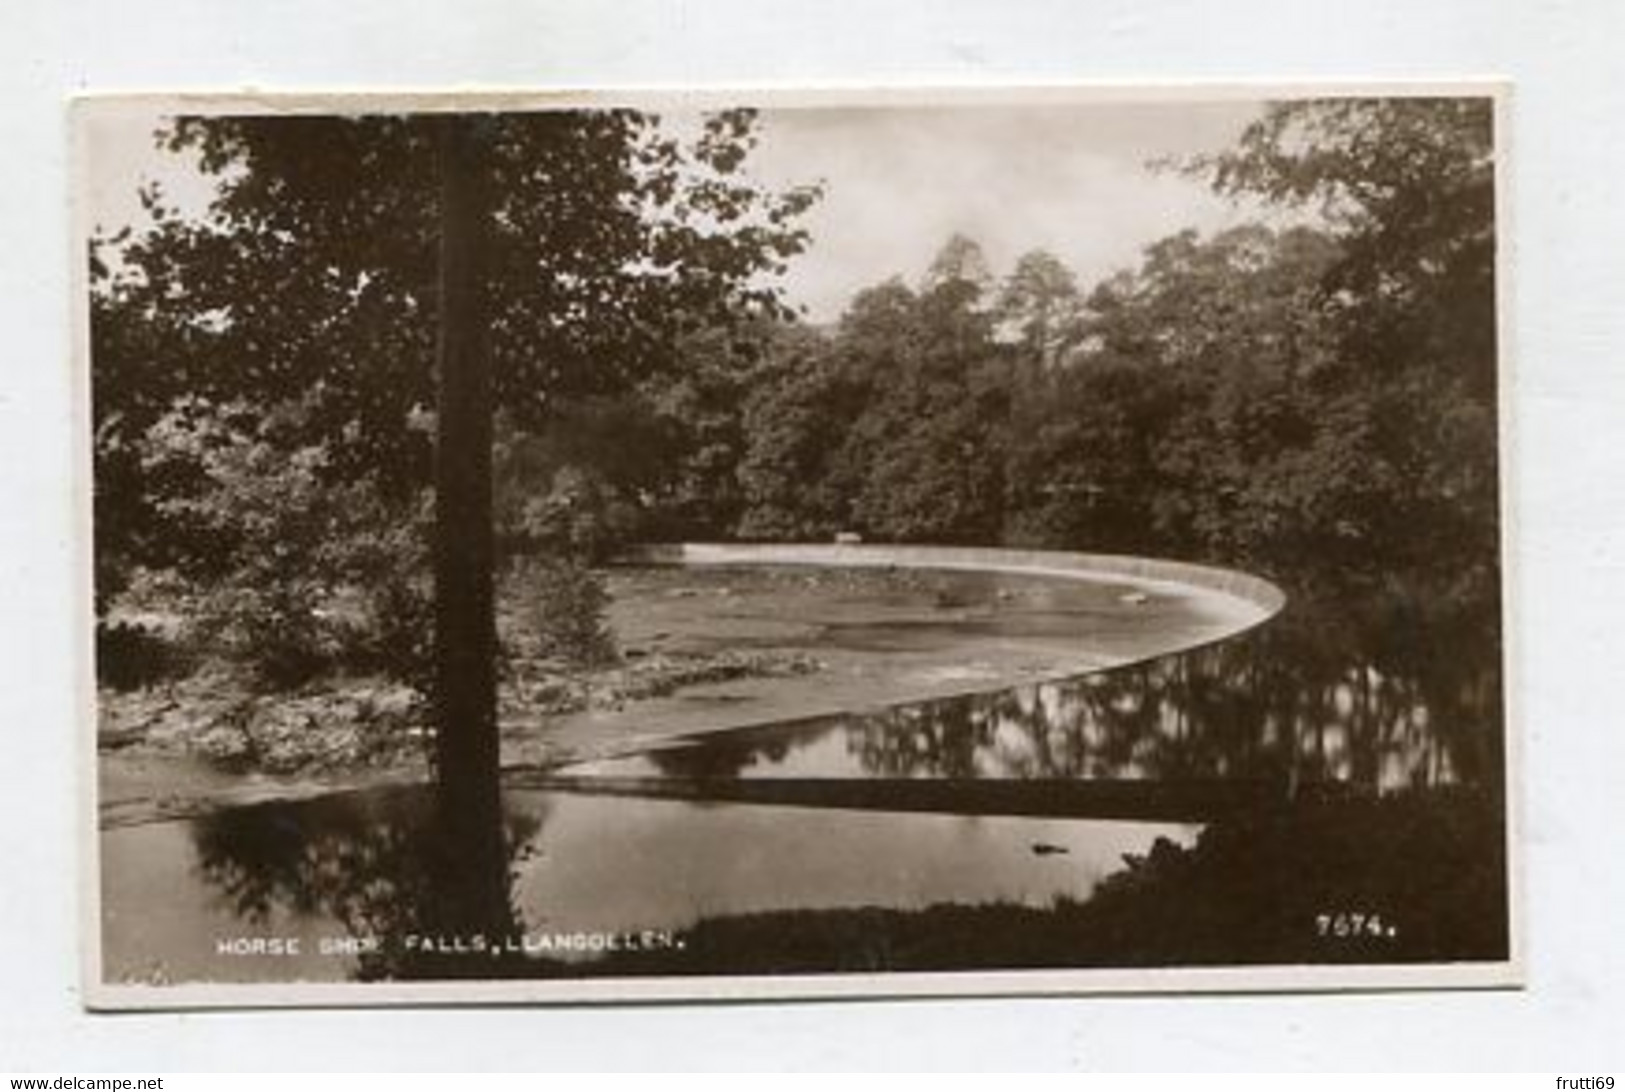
(1316, 697)
(385, 864)
(588, 882)
(1396, 708)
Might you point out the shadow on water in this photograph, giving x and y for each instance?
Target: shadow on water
(383, 864)
(1409, 877)
(1327, 789)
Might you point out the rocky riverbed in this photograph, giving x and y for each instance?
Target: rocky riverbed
(699, 649)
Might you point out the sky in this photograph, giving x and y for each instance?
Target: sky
(1071, 178)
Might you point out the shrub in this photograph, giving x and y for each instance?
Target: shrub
(565, 611)
(387, 566)
(304, 573)
(581, 515)
(130, 656)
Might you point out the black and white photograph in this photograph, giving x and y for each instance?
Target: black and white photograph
(785, 544)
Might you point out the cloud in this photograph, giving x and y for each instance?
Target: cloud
(1074, 180)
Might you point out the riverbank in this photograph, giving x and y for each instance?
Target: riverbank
(703, 648)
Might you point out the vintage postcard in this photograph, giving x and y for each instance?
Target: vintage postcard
(586, 547)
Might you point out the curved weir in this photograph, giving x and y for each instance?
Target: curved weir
(1256, 600)
(778, 762)
(1033, 816)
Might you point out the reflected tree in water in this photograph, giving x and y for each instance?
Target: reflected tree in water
(724, 756)
(1381, 703)
(381, 864)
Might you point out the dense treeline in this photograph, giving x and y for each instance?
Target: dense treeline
(1315, 391)
(264, 376)
(1318, 392)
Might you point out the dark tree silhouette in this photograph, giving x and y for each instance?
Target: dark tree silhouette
(467, 750)
(538, 256)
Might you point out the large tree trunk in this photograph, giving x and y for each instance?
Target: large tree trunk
(465, 626)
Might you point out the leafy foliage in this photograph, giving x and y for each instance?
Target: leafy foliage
(890, 426)
(1317, 395)
(566, 604)
(306, 575)
(264, 375)
(316, 268)
(1408, 188)
(1313, 396)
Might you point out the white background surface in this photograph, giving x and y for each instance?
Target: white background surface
(1567, 476)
